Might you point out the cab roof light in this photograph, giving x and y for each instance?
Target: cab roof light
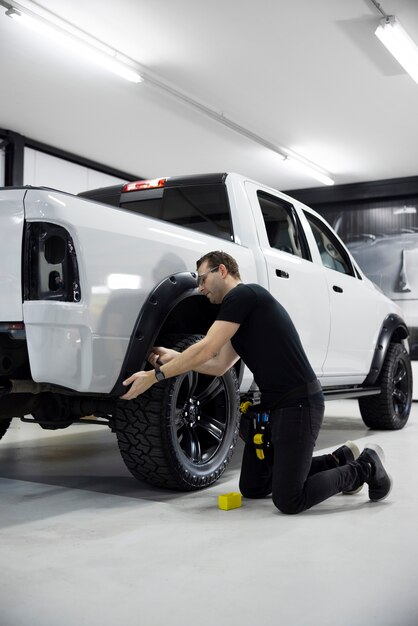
(144, 184)
(8, 326)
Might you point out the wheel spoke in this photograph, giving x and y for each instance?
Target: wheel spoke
(192, 378)
(191, 445)
(400, 375)
(211, 391)
(399, 396)
(213, 426)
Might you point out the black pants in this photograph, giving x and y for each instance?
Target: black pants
(296, 480)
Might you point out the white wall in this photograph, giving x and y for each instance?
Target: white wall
(44, 170)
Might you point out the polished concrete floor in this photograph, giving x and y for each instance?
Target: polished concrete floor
(84, 544)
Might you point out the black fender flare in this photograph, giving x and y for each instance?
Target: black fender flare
(160, 302)
(392, 323)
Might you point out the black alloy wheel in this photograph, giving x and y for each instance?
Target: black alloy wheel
(201, 409)
(401, 397)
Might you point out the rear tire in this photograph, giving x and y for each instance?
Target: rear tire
(390, 410)
(182, 432)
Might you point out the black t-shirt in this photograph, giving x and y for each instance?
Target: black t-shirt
(267, 341)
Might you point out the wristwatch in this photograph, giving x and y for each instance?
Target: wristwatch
(159, 375)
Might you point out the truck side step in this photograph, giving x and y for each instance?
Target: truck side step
(340, 393)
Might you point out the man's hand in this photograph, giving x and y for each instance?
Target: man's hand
(160, 355)
(141, 381)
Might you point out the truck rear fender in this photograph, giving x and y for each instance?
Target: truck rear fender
(393, 329)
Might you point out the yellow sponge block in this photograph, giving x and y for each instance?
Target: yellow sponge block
(228, 501)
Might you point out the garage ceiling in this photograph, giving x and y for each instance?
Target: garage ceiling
(306, 75)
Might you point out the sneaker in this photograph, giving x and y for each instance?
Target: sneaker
(349, 451)
(380, 483)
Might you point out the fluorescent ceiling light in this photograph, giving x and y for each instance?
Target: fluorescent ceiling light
(310, 170)
(95, 52)
(399, 44)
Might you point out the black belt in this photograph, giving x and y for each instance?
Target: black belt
(303, 391)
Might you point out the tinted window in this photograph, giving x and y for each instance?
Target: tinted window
(201, 207)
(282, 228)
(333, 254)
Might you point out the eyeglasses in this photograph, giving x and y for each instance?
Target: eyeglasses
(202, 277)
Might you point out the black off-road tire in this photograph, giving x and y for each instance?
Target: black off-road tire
(390, 410)
(182, 432)
(4, 425)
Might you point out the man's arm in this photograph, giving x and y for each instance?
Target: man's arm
(216, 366)
(219, 334)
(221, 362)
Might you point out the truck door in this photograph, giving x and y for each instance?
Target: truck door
(353, 333)
(294, 280)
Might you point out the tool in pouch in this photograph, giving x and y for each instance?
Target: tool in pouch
(255, 428)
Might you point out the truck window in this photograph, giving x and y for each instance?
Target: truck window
(282, 228)
(332, 252)
(203, 208)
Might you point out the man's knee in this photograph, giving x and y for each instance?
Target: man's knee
(254, 492)
(286, 505)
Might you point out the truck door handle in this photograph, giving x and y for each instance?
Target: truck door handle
(337, 289)
(282, 274)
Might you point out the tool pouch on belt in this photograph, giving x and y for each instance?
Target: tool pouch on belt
(262, 434)
(255, 429)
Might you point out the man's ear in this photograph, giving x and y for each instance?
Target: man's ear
(223, 270)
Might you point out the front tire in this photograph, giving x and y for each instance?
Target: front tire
(390, 410)
(182, 432)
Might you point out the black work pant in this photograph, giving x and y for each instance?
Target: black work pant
(296, 480)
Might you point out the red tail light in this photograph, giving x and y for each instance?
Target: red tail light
(144, 184)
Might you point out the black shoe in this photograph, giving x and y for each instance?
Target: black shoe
(379, 481)
(347, 452)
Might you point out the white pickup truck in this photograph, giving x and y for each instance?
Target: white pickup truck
(89, 283)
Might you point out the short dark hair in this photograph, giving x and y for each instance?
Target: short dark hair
(218, 257)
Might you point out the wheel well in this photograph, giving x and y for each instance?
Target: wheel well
(193, 316)
(398, 335)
